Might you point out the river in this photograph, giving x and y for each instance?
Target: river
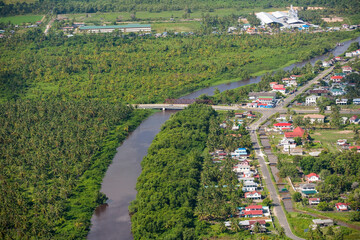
(111, 221)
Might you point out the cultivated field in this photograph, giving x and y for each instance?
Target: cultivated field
(21, 19)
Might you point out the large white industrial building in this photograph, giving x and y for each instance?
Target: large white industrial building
(122, 28)
(288, 19)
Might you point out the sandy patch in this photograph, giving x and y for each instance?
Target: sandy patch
(317, 134)
(333, 19)
(345, 132)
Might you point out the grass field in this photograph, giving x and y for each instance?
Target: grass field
(328, 138)
(17, 1)
(176, 27)
(21, 19)
(166, 15)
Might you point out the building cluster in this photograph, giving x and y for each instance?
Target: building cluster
(335, 88)
(126, 28)
(262, 100)
(288, 19)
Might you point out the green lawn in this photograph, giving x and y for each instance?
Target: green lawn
(328, 138)
(176, 27)
(299, 222)
(22, 19)
(165, 15)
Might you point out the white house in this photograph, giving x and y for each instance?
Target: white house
(315, 118)
(287, 144)
(250, 186)
(240, 152)
(342, 101)
(242, 167)
(346, 69)
(311, 100)
(356, 101)
(314, 201)
(312, 177)
(326, 64)
(342, 206)
(253, 195)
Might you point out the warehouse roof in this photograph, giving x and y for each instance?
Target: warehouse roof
(116, 26)
(267, 18)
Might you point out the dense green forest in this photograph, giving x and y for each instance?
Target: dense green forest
(53, 157)
(81, 6)
(170, 178)
(143, 70)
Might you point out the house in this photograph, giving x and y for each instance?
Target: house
(337, 92)
(354, 119)
(250, 224)
(355, 147)
(298, 132)
(122, 28)
(296, 151)
(319, 92)
(282, 117)
(308, 189)
(253, 195)
(255, 211)
(315, 118)
(342, 206)
(342, 101)
(340, 74)
(256, 95)
(281, 126)
(323, 222)
(312, 177)
(279, 88)
(272, 84)
(311, 100)
(240, 152)
(294, 77)
(346, 69)
(314, 201)
(338, 58)
(341, 142)
(349, 54)
(336, 79)
(266, 99)
(289, 82)
(242, 167)
(326, 64)
(356, 101)
(249, 186)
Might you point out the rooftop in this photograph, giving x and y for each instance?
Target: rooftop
(116, 26)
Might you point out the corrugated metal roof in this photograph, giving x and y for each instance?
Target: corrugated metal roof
(267, 18)
(279, 14)
(116, 26)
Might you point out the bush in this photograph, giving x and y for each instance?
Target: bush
(355, 216)
(296, 197)
(324, 206)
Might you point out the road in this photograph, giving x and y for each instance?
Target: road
(265, 111)
(278, 210)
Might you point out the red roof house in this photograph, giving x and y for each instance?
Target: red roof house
(337, 78)
(253, 207)
(312, 177)
(356, 147)
(253, 195)
(342, 206)
(298, 132)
